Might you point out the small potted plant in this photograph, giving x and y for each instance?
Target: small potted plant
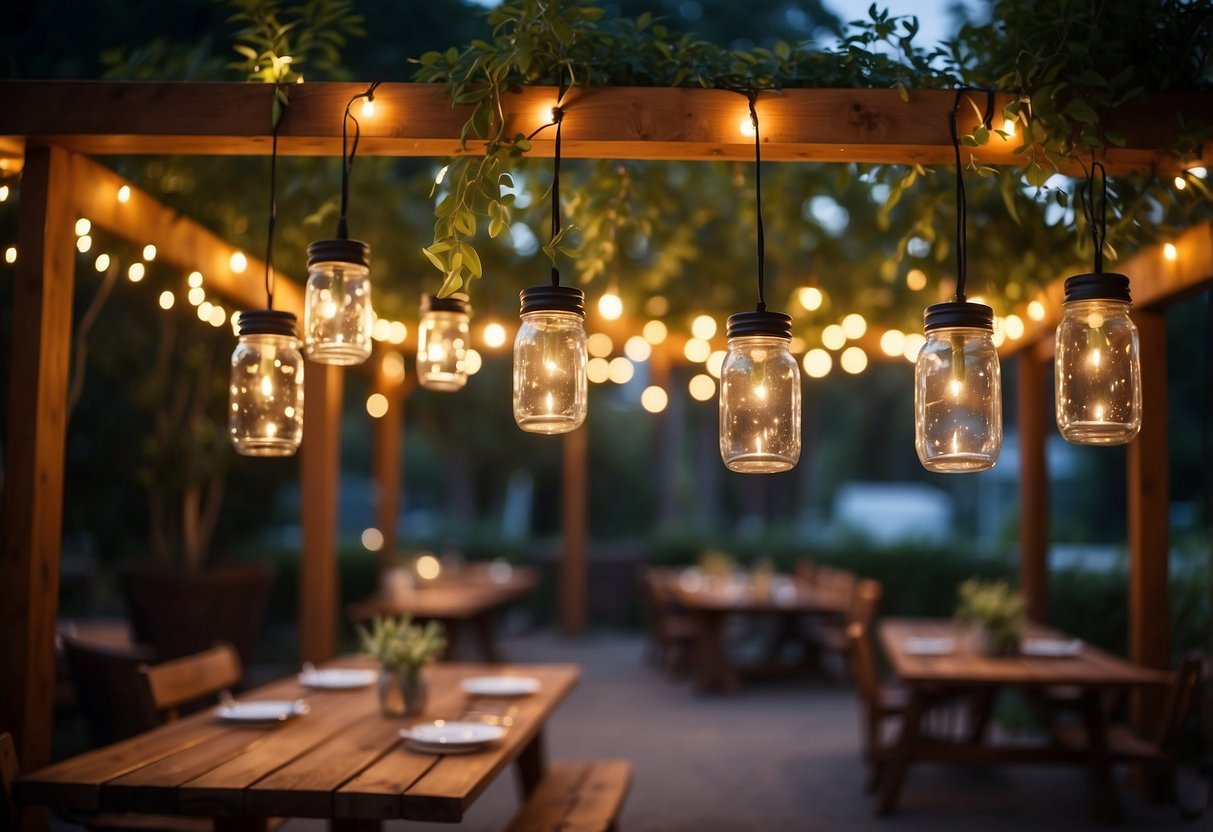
(402, 648)
(995, 613)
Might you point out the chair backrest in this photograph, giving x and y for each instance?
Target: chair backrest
(865, 601)
(863, 665)
(9, 769)
(1181, 697)
(180, 681)
(110, 690)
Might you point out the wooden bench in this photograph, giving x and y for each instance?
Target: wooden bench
(576, 797)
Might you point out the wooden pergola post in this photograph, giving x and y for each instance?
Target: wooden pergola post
(1034, 419)
(574, 570)
(37, 434)
(387, 465)
(319, 481)
(1149, 515)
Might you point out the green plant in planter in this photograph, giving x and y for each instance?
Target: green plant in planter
(997, 610)
(402, 648)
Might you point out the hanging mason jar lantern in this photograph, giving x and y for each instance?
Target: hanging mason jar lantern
(1097, 374)
(759, 395)
(550, 389)
(759, 379)
(337, 313)
(265, 416)
(337, 317)
(442, 339)
(958, 390)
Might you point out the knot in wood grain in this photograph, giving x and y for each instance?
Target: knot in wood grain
(867, 120)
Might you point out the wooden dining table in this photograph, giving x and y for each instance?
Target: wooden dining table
(964, 672)
(711, 602)
(343, 761)
(470, 597)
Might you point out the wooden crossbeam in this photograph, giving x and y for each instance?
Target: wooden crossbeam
(804, 125)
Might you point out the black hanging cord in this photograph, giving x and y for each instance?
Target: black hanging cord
(962, 205)
(1097, 221)
(269, 237)
(752, 96)
(347, 156)
(557, 119)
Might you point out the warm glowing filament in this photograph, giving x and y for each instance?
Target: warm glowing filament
(267, 386)
(1096, 357)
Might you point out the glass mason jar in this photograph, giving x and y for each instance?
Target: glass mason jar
(337, 314)
(759, 395)
(265, 415)
(1098, 363)
(549, 360)
(442, 339)
(958, 390)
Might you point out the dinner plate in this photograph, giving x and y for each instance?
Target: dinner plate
(337, 678)
(264, 710)
(1051, 648)
(442, 736)
(500, 685)
(438, 748)
(929, 645)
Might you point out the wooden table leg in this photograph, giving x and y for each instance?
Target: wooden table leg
(532, 763)
(893, 774)
(983, 705)
(712, 666)
(483, 625)
(1104, 798)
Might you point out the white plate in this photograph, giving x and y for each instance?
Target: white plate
(500, 685)
(929, 645)
(1051, 648)
(435, 748)
(337, 678)
(265, 710)
(445, 735)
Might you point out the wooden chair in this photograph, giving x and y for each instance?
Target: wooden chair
(179, 682)
(878, 702)
(109, 690)
(581, 796)
(832, 637)
(1157, 751)
(671, 632)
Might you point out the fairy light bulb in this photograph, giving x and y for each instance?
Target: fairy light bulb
(610, 306)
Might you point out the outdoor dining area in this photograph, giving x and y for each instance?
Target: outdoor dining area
(889, 532)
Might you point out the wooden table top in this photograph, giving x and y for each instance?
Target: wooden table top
(342, 760)
(1091, 667)
(785, 596)
(466, 594)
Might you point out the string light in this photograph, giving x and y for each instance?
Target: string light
(368, 108)
(196, 295)
(376, 405)
(218, 316)
(149, 252)
(472, 361)
(238, 262)
(621, 370)
(637, 348)
(914, 345)
(598, 370)
(833, 338)
(701, 387)
(372, 539)
(1036, 310)
(704, 326)
(697, 350)
(83, 226)
(10, 255)
(3, 193)
(84, 243)
(610, 306)
(440, 175)
(916, 280)
(893, 342)
(655, 332)
(817, 363)
(167, 299)
(715, 363)
(1170, 252)
(746, 126)
(204, 310)
(599, 345)
(654, 399)
(194, 281)
(136, 272)
(393, 367)
(397, 332)
(124, 194)
(854, 326)
(382, 329)
(811, 298)
(854, 360)
(494, 336)
(1012, 325)
(1180, 183)
(1008, 127)
(102, 263)
(1199, 172)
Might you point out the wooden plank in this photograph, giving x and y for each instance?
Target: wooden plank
(1035, 415)
(1155, 280)
(319, 478)
(601, 795)
(180, 241)
(574, 570)
(450, 600)
(33, 472)
(806, 125)
(12, 155)
(1149, 516)
(446, 791)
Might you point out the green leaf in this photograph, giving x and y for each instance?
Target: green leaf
(438, 264)
(1079, 110)
(450, 285)
(1115, 137)
(903, 92)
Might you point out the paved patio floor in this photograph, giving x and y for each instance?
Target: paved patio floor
(781, 755)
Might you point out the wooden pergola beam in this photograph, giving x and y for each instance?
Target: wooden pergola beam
(798, 125)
